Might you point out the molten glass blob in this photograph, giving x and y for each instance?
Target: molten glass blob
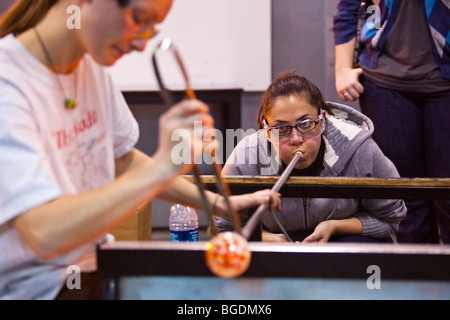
(227, 255)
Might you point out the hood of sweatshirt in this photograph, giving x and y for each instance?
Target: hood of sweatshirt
(345, 132)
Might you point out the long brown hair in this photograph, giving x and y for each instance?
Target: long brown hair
(286, 84)
(26, 14)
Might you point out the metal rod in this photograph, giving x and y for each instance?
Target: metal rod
(256, 217)
(222, 186)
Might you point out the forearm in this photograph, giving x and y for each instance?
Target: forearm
(179, 191)
(185, 192)
(383, 219)
(349, 226)
(344, 55)
(69, 221)
(347, 83)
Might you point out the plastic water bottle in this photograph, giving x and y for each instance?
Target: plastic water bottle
(183, 223)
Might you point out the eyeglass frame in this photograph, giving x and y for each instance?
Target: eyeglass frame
(148, 33)
(269, 128)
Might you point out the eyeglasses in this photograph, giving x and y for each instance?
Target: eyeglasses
(148, 26)
(308, 129)
(148, 34)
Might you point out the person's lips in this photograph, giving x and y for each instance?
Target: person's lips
(303, 152)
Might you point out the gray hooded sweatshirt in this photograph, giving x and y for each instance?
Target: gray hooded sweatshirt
(349, 152)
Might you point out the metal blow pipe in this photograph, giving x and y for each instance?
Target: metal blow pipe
(256, 217)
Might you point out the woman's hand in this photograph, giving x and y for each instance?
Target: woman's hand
(348, 86)
(327, 228)
(181, 132)
(322, 232)
(246, 201)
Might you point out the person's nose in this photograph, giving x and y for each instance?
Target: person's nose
(296, 137)
(139, 44)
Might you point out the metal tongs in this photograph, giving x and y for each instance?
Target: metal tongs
(221, 185)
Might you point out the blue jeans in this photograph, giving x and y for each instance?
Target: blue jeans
(413, 130)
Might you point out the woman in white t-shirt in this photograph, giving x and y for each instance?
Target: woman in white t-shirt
(69, 169)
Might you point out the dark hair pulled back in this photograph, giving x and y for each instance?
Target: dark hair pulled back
(286, 84)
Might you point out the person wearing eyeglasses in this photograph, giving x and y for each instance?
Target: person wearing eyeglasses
(69, 169)
(336, 142)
